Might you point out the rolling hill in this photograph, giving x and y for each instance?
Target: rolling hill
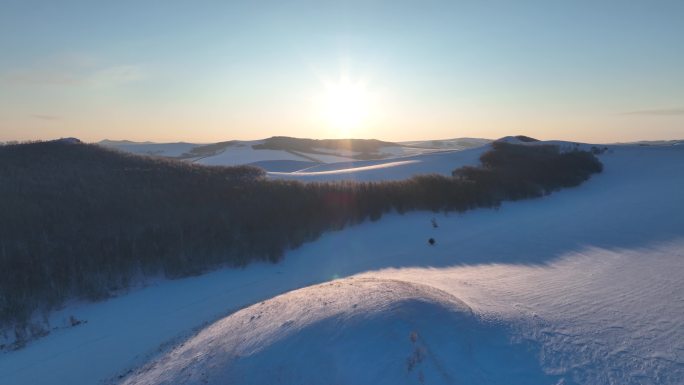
(291, 154)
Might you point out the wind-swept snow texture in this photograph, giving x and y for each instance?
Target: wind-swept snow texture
(350, 331)
(581, 287)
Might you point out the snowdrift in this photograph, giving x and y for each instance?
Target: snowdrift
(350, 331)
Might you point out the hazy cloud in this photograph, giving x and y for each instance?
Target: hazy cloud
(45, 117)
(74, 73)
(41, 77)
(116, 75)
(658, 112)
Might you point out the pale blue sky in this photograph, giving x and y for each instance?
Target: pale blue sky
(218, 70)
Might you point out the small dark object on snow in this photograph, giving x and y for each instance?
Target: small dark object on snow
(431, 241)
(434, 223)
(74, 321)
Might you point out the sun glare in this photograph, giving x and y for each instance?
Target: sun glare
(344, 106)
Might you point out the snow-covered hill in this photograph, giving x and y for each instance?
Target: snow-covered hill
(280, 154)
(387, 169)
(580, 287)
(170, 150)
(351, 331)
(448, 144)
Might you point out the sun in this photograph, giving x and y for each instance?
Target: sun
(345, 105)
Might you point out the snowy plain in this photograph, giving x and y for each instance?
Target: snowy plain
(580, 287)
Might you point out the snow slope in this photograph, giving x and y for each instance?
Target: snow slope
(587, 283)
(148, 148)
(583, 285)
(236, 155)
(390, 332)
(598, 316)
(387, 169)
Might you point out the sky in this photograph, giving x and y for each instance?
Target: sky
(206, 71)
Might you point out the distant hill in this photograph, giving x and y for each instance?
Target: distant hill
(448, 144)
(268, 152)
(360, 149)
(656, 143)
(517, 139)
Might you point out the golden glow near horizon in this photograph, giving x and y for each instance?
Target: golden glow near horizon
(376, 69)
